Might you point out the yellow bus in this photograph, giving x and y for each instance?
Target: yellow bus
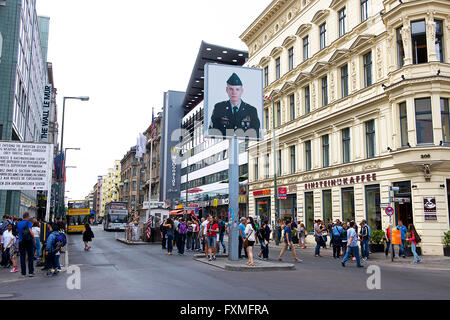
(78, 215)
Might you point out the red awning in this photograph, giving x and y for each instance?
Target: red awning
(176, 212)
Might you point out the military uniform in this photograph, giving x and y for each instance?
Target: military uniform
(226, 116)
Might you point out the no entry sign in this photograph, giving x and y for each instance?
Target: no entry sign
(389, 211)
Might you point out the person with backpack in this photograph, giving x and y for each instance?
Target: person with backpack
(414, 239)
(87, 236)
(222, 230)
(26, 245)
(182, 231)
(364, 237)
(287, 239)
(336, 232)
(55, 242)
(352, 245)
(190, 232)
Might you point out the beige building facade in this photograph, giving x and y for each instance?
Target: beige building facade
(359, 101)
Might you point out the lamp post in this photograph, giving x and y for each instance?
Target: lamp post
(61, 195)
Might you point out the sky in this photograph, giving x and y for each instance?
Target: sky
(124, 55)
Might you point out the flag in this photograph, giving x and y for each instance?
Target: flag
(149, 230)
(152, 126)
(141, 143)
(57, 165)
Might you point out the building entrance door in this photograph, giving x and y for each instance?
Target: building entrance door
(403, 209)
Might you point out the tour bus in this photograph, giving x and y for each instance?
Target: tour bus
(116, 216)
(78, 215)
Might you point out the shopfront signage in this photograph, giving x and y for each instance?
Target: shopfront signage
(292, 188)
(282, 193)
(429, 207)
(402, 200)
(261, 192)
(341, 181)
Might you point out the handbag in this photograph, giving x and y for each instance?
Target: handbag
(246, 240)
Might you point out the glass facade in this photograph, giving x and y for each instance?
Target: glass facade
(263, 207)
(327, 205)
(348, 204)
(419, 42)
(309, 211)
(373, 210)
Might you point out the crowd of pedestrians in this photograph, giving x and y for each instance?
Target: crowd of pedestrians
(33, 243)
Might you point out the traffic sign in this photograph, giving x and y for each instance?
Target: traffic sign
(389, 211)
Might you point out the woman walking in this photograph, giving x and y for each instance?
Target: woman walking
(169, 229)
(250, 239)
(37, 244)
(87, 236)
(414, 239)
(344, 238)
(303, 234)
(318, 229)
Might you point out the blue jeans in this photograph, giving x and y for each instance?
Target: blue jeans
(402, 248)
(37, 247)
(57, 256)
(355, 252)
(169, 243)
(416, 256)
(318, 245)
(221, 236)
(365, 249)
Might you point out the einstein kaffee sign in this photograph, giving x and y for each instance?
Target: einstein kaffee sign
(25, 166)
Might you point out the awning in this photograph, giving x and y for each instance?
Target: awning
(176, 212)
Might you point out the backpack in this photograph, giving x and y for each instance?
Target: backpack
(26, 234)
(183, 229)
(222, 227)
(417, 238)
(60, 241)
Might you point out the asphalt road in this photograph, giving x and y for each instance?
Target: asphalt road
(113, 270)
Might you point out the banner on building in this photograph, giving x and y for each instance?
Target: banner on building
(233, 102)
(45, 120)
(25, 166)
(429, 207)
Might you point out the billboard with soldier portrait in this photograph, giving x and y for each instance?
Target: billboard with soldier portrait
(233, 102)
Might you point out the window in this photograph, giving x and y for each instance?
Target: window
(134, 172)
(266, 76)
(364, 10)
(346, 145)
(308, 155)
(424, 122)
(327, 205)
(323, 36)
(403, 124)
(134, 186)
(400, 50)
(309, 211)
(278, 68)
(292, 106)
(266, 116)
(256, 168)
(267, 165)
(325, 151)
(342, 16)
(292, 151)
(370, 139)
(445, 119)
(373, 209)
(348, 204)
(439, 40)
(307, 101)
(344, 81)
(324, 91)
(305, 48)
(279, 171)
(291, 58)
(367, 62)
(278, 114)
(419, 42)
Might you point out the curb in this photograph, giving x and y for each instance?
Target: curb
(245, 268)
(134, 242)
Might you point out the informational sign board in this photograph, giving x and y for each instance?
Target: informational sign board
(384, 205)
(233, 102)
(429, 207)
(25, 166)
(282, 193)
(401, 200)
(45, 123)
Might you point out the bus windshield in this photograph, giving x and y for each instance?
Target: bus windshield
(118, 218)
(78, 220)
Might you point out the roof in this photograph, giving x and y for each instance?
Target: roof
(209, 53)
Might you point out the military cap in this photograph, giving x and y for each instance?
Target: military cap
(234, 80)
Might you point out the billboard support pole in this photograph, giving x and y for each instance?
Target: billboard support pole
(233, 206)
(275, 189)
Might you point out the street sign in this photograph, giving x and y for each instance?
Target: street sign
(401, 200)
(389, 211)
(384, 205)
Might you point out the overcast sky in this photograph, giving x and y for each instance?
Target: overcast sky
(124, 55)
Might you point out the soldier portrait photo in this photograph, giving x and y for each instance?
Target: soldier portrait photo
(235, 116)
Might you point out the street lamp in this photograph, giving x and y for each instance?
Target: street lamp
(61, 193)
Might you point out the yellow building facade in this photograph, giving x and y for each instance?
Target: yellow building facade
(110, 186)
(359, 101)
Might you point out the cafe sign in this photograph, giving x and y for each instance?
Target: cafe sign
(341, 181)
(261, 192)
(282, 193)
(429, 207)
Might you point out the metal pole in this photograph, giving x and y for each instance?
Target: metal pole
(150, 177)
(233, 206)
(277, 211)
(60, 192)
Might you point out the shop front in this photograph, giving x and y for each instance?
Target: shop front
(288, 202)
(262, 204)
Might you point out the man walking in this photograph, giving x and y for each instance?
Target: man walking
(211, 234)
(403, 230)
(222, 230)
(364, 236)
(26, 245)
(352, 244)
(288, 242)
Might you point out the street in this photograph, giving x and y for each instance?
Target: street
(113, 270)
